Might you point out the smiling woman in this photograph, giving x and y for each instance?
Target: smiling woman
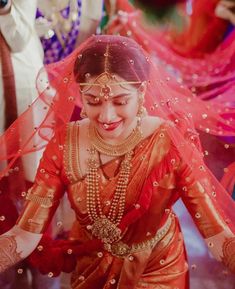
(123, 167)
(112, 106)
(113, 89)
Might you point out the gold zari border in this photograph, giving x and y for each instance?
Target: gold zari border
(121, 249)
(44, 202)
(71, 153)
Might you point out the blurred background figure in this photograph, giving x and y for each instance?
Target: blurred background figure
(63, 24)
(21, 57)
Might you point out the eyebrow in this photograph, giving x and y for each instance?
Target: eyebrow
(113, 97)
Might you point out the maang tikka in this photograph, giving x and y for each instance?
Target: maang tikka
(105, 81)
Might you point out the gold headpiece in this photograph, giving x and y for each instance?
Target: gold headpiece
(105, 81)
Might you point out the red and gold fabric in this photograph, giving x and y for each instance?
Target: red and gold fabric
(151, 251)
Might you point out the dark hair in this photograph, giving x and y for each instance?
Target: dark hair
(114, 54)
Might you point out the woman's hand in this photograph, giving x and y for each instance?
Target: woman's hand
(226, 10)
(229, 254)
(15, 245)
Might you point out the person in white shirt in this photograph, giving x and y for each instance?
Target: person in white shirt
(21, 57)
(17, 19)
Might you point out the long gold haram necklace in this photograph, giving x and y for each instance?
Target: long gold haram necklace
(105, 227)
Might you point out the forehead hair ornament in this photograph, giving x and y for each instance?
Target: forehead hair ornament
(105, 81)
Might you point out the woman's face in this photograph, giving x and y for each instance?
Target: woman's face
(114, 114)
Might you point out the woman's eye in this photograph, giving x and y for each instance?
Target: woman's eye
(124, 102)
(93, 103)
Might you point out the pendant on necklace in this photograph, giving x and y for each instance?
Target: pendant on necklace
(105, 230)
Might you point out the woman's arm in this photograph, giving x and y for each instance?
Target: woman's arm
(41, 203)
(15, 245)
(210, 206)
(211, 209)
(91, 15)
(17, 23)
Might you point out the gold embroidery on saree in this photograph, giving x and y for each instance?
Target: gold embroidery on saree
(41, 195)
(44, 202)
(40, 207)
(71, 153)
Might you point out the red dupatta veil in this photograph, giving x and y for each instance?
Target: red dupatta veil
(166, 98)
(209, 75)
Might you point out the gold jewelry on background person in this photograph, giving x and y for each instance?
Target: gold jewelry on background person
(118, 149)
(59, 24)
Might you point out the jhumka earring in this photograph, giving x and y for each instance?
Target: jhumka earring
(83, 113)
(142, 110)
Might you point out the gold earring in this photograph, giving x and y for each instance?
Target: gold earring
(142, 88)
(142, 110)
(83, 113)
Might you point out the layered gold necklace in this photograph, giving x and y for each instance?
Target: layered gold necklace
(105, 227)
(118, 149)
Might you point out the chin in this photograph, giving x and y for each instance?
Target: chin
(111, 134)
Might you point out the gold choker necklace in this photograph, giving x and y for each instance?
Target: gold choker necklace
(118, 149)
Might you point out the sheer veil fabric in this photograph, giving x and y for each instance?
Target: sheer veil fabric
(210, 76)
(167, 98)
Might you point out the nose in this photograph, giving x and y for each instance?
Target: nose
(107, 113)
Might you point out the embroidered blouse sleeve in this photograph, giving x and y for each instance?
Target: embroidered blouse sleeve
(199, 195)
(43, 197)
